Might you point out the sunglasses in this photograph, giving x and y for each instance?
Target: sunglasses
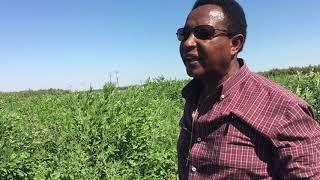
(203, 32)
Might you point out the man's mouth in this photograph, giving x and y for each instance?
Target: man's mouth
(192, 63)
(191, 58)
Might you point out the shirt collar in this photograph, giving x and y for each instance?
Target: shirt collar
(193, 88)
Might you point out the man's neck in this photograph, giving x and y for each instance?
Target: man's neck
(210, 84)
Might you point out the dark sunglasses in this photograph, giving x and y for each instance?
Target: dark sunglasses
(203, 32)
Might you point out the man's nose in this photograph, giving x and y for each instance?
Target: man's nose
(190, 42)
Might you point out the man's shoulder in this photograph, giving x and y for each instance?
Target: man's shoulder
(271, 90)
(264, 104)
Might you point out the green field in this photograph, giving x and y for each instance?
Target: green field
(104, 134)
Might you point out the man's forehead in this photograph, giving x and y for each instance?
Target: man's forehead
(216, 16)
(207, 14)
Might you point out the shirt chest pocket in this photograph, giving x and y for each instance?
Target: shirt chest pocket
(233, 144)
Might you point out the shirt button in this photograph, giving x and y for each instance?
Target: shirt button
(199, 139)
(222, 97)
(193, 169)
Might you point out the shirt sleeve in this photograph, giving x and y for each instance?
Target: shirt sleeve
(297, 141)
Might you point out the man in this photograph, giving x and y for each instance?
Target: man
(237, 124)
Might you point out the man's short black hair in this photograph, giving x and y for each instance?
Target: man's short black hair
(236, 20)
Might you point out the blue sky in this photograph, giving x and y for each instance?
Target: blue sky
(72, 44)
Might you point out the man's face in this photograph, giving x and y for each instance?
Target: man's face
(205, 58)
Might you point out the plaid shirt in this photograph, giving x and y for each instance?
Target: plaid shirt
(253, 129)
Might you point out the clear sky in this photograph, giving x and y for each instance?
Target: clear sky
(72, 44)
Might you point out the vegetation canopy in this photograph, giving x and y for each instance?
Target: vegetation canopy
(106, 134)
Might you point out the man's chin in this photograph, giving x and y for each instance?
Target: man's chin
(195, 75)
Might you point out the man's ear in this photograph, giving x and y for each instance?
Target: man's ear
(236, 43)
